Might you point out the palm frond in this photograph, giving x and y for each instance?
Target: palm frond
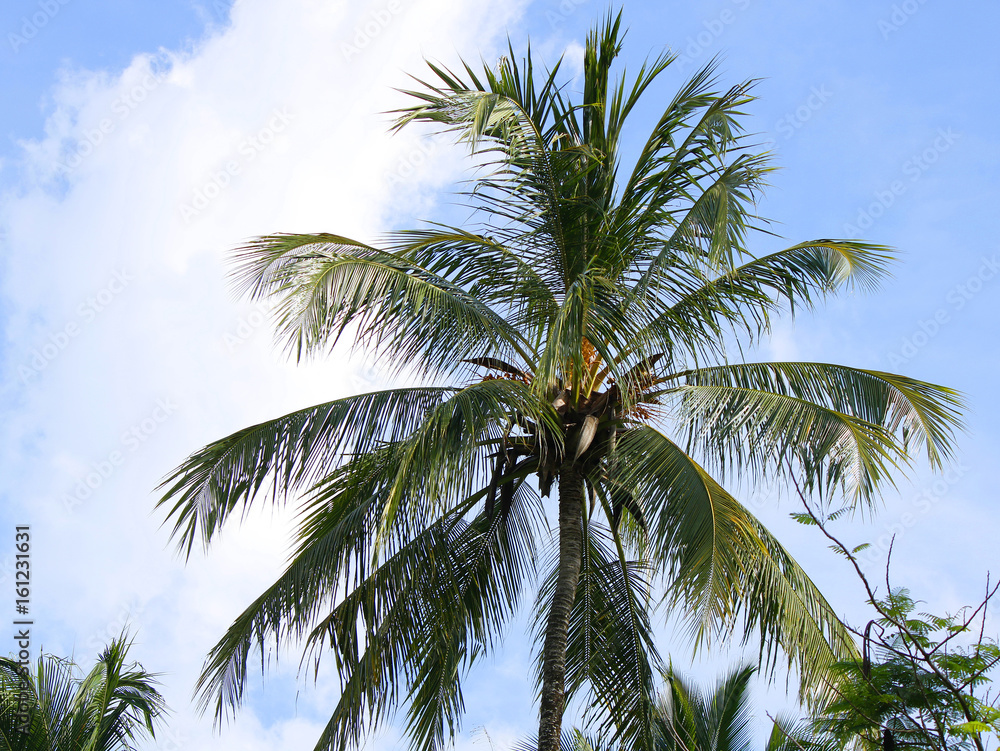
(693, 721)
(610, 650)
(500, 273)
(425, 615)
(295, 451)
(722, 566)
(843, 427)
(114, 706)
(327, 284)
(286, 454)
(746, 296)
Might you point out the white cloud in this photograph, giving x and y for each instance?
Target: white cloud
(125, 349)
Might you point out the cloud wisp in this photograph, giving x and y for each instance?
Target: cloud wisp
(123, 349)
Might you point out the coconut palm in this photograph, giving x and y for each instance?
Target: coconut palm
(575, 338)
(686, 719)
(690, 720)
(54, 708)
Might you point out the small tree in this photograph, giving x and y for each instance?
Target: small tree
(917, 684)
(916, 688)
(110, 708)
(686, 718)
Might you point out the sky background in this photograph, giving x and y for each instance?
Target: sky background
(141, 141)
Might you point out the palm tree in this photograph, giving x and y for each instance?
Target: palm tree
(54, 709)
(691, 721)
(686, 719)
(723, 721)
(580, 332)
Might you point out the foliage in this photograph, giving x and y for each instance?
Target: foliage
(693, 721)
(54, 708)
(580, 331)
(923, 680)
(687, 719)
(919, 686)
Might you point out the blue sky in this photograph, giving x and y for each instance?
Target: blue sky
(141, 141)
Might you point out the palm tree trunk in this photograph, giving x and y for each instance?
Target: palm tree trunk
(571, 490)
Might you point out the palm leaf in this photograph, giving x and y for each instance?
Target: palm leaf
(845, 427)
(326, 284)
(721, 564)
(286, 454)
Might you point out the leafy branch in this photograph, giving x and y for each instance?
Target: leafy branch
(915, 685)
